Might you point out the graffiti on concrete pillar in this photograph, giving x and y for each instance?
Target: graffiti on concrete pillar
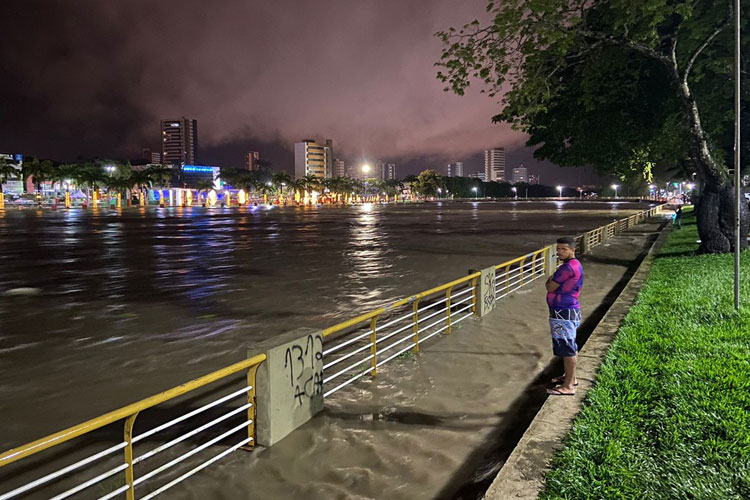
(303, 363)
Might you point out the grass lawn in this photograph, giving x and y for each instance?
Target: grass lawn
(669, 416)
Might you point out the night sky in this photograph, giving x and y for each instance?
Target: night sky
(84, 78)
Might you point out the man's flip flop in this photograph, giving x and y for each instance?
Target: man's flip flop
(558, 392)
(560, 380)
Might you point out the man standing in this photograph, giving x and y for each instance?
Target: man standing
(563, 289)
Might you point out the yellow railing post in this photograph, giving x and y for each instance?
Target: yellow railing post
(373, 347)
(474, 295)
(251, 411)
(448, 308)
(415, 327)
(129, 475)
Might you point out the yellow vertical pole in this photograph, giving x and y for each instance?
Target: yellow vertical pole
(67, 199)
(119, 200)
(129, 475)
(448, 309)
(373, 347)
(251, 411)
(2, 200)
(415, 327)
(474, 295)
(507, 279)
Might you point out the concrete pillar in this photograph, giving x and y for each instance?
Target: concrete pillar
(289, 383)
(584, 245)
(485, 291)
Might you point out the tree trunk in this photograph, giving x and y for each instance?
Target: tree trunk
(715, 212)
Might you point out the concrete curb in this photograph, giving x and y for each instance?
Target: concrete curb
(522, 475)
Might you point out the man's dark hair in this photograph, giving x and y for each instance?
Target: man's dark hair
(567, 241)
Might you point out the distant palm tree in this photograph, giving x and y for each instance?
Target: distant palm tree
(91, 176)
(281, 180)
(204, 185)
(8, 171)
(38, 171)
(311, 182)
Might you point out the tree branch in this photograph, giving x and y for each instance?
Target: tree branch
(702, 46)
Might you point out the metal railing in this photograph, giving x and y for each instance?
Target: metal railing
(352, 349)
(122, 476)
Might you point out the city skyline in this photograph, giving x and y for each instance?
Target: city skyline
(121, 70)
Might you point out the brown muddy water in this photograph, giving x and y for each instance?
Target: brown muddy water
(131, 303)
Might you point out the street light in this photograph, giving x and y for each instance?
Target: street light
(515, 192)
(475, 192)
(365, 168)
(439, 191)
(615, 186)
(559, 189)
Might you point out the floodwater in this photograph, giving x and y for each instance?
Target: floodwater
(134, 302)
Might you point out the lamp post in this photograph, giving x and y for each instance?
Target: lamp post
(580, 193)
(515, 192)
(615, 186)
(560, 190)
(439, 192)
(475, 192)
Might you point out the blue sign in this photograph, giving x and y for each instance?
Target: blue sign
(196, 168)
(18, 157)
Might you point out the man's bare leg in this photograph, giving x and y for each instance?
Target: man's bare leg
(570, 363)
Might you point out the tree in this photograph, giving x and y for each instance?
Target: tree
(204, 185)
(38, 171)
(623, 85)
(427, 183)
(8, 171)
(311, 183)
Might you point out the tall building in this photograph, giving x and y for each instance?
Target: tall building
(179, 141)
(252, 160)
(520, 174)
(387, 171)
(313, 158)
(494, 165)
(456, 169)
(339, 168)
(329, 158)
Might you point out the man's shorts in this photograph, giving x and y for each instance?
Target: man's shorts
(563, 325)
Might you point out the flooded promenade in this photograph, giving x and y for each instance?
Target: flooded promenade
(132, 303)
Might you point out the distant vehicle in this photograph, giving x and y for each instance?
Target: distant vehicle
(25, 199)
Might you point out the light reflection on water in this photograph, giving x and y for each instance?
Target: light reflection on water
(155, 297)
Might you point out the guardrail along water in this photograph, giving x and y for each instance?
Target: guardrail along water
(214, 415)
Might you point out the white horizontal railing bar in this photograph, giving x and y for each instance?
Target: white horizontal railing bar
(392, 344)
(462, 318)
(462, 310)
(191, 414)
(192, 452)
(436, 303)
(394, 321)
(395, 332)
(325, 395)
(454, 295)
(439, 311)
(328, 379)
(529, 279)
(508, 283)
(91, 482)
(347, 356)
(410, 346)
(197, 469)
(424, 329)
(459, 302)
(118, 491)
(190, 434)
(63, 471)
(344, 344)
(433, 333)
